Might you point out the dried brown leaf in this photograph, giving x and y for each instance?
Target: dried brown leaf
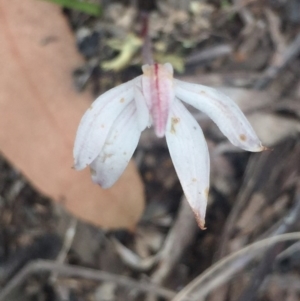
(40, 111)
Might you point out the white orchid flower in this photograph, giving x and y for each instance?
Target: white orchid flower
(110, 129)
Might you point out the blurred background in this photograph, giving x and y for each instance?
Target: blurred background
(63, 238)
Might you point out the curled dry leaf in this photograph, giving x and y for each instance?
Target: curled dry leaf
(40, 111)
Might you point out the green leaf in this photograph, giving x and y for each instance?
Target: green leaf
(83, 6)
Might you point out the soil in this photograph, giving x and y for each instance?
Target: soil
(251, 48)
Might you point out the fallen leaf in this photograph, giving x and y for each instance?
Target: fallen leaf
(40, 111)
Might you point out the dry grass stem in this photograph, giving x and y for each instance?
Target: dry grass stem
(234, 262)
(67, 270)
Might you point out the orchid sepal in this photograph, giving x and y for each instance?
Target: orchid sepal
(97, 121)
(189, 153)
(109, 131)
(223, 111)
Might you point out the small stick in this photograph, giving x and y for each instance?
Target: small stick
(179, 238)
(230, 265)
(69, 238)
(67, 270)
(223, 270)
(277, 66)
(242, 198)
(265, 266)
(209, 54)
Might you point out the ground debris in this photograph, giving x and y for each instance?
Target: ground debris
(250, 51)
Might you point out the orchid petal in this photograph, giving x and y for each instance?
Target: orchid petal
(118, 149)
(97, 121)
(143, 114)
(189, 153)
(223, 111)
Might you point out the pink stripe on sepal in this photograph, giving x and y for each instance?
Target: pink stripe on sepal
(157, 86)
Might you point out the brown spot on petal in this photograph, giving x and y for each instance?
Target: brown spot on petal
(174, 121)
(194, 180)
(122, 100)
(206, 192)
(243, 137)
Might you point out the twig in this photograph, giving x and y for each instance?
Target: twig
(239, 7)
(243, 11)
(230, 264)
(277, 66)
(290, 251)
(274, 27)
(286, 225)
(209, 54)
(44, 246)
(265, 265)
(81, 272)
(266, 180)
(132, 260)
(69, 238)
(242, 198)
(179, 238)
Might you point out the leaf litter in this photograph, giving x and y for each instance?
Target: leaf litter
(252, 195)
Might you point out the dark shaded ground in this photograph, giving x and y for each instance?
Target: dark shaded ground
(250, 46)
